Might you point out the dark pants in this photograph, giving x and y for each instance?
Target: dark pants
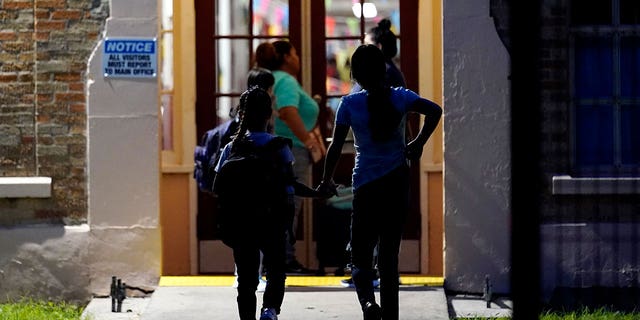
(246, 254)
(379, 213)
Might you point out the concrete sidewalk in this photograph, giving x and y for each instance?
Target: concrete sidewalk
(183, 300)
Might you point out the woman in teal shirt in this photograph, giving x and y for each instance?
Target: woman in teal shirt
(297, 116)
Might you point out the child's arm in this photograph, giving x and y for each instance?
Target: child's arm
(303, 190)
(300, 189)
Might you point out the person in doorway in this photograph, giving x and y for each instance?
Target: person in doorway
(380, 176)
(249, 237)
(383, 37)
(297, 116)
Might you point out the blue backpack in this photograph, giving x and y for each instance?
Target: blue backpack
(207, 153)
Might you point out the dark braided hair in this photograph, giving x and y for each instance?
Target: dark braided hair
(368, 69)
(254, 112)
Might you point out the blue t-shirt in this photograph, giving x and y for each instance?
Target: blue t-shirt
(374, 159)
(259, 139)
(288, 92)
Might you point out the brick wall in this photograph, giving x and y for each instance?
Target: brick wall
(555, 140)
(44, 50)
(554, 73)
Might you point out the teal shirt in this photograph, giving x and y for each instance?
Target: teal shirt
(289, 92)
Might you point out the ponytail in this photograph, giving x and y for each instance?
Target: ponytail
(368, 69)
(383, 116)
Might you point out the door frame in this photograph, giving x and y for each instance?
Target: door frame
(422, 239)
(409, 60)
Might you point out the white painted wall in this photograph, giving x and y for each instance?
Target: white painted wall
(123, 161)
(476, 149)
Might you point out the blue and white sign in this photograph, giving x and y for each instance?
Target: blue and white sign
(130, 58)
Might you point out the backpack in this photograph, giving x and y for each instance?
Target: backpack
(207, 153)
(251, 189)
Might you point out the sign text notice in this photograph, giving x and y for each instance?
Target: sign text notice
(130, 58)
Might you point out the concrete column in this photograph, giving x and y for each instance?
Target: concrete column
(477, 160)
(124, 160)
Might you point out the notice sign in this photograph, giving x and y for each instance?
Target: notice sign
(130, 58)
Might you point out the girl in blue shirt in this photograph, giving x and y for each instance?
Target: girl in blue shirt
(380, 178)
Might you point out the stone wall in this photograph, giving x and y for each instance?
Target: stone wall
(44, 51)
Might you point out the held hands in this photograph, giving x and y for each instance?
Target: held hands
(328, 188)
(321, 194)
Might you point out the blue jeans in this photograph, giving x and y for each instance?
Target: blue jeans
(379, 212)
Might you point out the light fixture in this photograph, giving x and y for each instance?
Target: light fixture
(368, 8)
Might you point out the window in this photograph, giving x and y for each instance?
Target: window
(347, 23)
(606, 88)
(240, 26)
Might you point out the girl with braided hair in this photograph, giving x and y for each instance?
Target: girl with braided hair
(297, 117)
(267, 235)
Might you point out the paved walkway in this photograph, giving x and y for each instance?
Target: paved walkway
(306, 298)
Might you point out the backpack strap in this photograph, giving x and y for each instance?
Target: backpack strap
(271, 147)
(275, 145)
(228, 131)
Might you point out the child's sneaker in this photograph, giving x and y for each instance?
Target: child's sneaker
(347, 283)
(371, 311)
(268, 314)
(376, 283)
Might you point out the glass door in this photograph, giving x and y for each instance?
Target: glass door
(227, 33)
(343, 26)
(337, 28)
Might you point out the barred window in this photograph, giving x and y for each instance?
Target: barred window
(605, 74)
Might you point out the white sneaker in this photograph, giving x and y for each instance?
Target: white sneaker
(262, 284)
(347, 283)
